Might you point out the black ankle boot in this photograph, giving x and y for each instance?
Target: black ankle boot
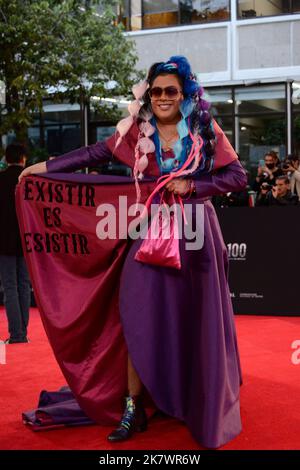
(134, 419)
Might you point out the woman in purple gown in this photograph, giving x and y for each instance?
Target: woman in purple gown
(178, 324)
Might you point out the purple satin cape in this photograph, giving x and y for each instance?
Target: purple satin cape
(56, 410)
(177, 325)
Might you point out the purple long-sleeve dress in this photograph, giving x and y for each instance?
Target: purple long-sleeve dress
(179, 324)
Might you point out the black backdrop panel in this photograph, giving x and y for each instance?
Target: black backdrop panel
(264, 258)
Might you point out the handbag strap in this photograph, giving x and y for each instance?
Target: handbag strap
(174, 196)
(163, 180)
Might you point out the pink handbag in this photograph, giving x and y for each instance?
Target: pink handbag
(161, 250)
(161, 246)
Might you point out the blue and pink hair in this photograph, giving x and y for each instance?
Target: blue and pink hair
(193, 107)
(196, 118)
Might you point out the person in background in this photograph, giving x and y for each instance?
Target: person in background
(275, 156)
(279, 195)
(13, 271)
(291, 168)
(268, 172)
(234, 198)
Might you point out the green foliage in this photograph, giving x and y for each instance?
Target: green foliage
(275, 132)
(36, 155)
(63, 49)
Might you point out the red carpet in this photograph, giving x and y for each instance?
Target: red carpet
(270, 395)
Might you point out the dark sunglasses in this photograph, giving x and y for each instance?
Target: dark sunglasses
(171, 92)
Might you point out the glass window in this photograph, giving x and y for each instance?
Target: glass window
(197, 11)
(222, 109)
(129, 13)
(258, 135)
(57, 130)
(295, 6)
(260, 118)
(220, 99)
(253, 118)
(62, 112)
(256, 8)
(34, 136)
(123, 13)
(113, 167)
(62, 138)
(160, 13)
(102, 132)
(139, 14)
(260, 99)
(164, 13)
(136, 15)
(296, 117)
(226, 124)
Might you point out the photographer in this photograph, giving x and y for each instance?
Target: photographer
(277, 195)
(291, 168)
(267, 171)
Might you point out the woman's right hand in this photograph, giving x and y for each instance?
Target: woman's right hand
(36, 168)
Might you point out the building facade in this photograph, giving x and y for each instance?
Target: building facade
(246, 54)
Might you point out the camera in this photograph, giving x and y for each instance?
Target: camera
(266, 186)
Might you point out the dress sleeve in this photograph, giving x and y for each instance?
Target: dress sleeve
(85, 156)
(230, 178)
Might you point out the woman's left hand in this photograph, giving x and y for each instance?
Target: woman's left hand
(178, 186)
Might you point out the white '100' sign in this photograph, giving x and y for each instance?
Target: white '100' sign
(237, 250)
